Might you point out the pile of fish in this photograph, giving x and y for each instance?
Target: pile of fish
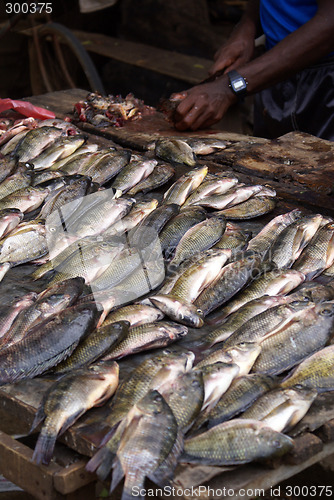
(111, 111)
(250, 325)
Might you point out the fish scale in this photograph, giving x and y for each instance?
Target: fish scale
(306, 334)
(199, 238)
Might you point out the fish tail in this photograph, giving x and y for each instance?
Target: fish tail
(132, 488)
(44, 447)
(101, 463)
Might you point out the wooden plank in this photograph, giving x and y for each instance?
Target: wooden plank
(294, 157)
(183, 67)
(72, 478)
(16, 465)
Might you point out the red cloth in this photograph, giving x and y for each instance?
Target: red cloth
(26, 109)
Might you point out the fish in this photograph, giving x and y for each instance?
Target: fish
(282, 409)
(26, 199)
(47, 344)
(9, 146)
(88, 262)
(118, 270)
(303, 335)
(131, 175)
(15, 309)
(262, 242)
(236, 442)
(276, 282)
(145, 441)
(315, 372)
(51, 301)
(175, 151)
(137, 213)
(176, 228)
(25, 243)
(94, 346)
(35, 141)
(80, 163)
(69, 398)
(243, 355)
(7, 168)
(59, 149)
(136, 314)
(48, 177)
(178, 310)
(256, 328)
(101, 217)
(108, 166)
(185, 185)
(241, 394)
(293, 239)
(9, 220)
(234, 238)
(312, 291)
(201, 146)
(243, 314)
(185, 397)
(199, 275)
(20, 178)
(85, 149)
(156, 373)
(145, 337)
(198, 238)
(143, 280)
(217, 378)
(211, 187)
(161, 174)
(150, 227)
(319, 253)
(74, 191)
(231, 198)
(251, 208)
(231, 279)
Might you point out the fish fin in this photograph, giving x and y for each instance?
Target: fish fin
(39, 417)
(163, 475)
(101, 463)
(117, 475)
(44, 447)
(70, 421)
(118, 193)
(190, 459)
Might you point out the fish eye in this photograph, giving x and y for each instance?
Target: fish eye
(277, 443)
(158, 398)
(326, 312)
(195, 383)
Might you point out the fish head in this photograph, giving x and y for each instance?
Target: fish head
(279, 444)
(244, 355)
(325, 309)
(152, 404)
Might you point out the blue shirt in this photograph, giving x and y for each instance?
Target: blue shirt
(279, 18)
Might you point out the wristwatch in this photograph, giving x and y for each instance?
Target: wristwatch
(238, 84)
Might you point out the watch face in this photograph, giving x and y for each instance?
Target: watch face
(239, 84)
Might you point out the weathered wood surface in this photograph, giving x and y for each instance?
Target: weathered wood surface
(183, 67)
(298, 165)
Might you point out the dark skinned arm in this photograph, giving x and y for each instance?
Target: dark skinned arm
(206, 104)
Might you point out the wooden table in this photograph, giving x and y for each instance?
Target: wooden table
(301, 168)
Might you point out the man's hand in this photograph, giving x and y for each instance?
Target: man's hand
(204, 105)
(237, 51)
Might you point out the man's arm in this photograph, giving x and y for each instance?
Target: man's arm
(206, 104)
